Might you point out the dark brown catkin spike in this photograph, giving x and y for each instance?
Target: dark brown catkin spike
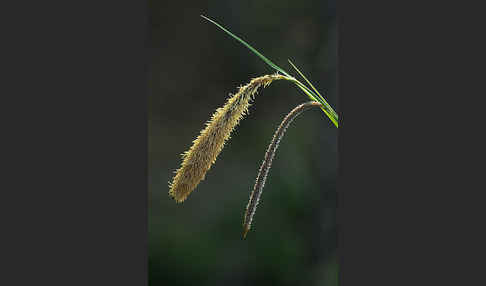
(267, 163)
(207, 146)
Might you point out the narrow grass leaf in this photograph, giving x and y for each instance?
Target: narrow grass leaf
(267, 61)
(328, 110)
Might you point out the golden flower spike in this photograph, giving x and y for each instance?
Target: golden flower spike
(207, 146)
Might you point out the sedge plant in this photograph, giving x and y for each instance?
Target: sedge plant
(207, 146)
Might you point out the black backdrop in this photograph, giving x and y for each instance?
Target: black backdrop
(193, 67)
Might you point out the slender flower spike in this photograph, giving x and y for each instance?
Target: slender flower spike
(207, 146)
(267, 163)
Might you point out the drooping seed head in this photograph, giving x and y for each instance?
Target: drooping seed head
(267, 163)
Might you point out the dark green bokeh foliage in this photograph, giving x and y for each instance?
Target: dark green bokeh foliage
(193, 67)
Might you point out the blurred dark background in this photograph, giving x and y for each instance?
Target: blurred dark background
(193, 67)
